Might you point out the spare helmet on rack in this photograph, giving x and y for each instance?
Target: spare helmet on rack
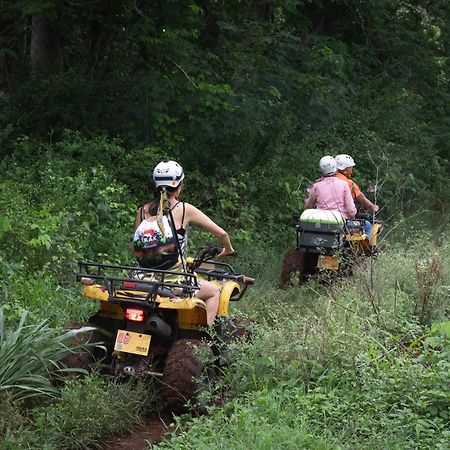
(168, 173)
(327, 166)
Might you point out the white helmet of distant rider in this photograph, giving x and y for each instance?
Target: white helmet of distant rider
(344, 162)
(327, 166)
(168, 173)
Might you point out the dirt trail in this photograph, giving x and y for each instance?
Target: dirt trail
(150, 433)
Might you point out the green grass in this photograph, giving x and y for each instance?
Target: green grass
(87, 412)
(43, 298)
(336, 365)
(395, 404)
(31, 357)
(350, 364)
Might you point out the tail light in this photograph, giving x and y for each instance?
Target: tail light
(135, 314)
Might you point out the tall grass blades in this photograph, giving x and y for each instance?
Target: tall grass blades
(30, 355)
(428, 279)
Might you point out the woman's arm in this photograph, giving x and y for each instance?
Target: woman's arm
(361, 198)
(194, 215)
(311, 201)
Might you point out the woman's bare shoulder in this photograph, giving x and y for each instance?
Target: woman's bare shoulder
(192, 213)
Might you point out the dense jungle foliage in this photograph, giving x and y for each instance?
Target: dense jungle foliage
(247, 96)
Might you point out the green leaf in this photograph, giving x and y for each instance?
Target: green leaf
(5, 225)
(30, 355)
(274, 92)
(442, 328)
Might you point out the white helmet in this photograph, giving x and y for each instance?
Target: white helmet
(327, 166)
(168, 173)
(344, 161)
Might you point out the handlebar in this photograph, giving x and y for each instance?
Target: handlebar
(248, 281)
(206, 254)
(221, 270)
(210, 252)
(368, 216)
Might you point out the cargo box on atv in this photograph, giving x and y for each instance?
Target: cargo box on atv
(319, 230)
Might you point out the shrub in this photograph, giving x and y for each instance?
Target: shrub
(88, 411)
(57, 217)
(30, 358)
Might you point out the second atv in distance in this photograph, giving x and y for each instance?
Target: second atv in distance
(326, 242)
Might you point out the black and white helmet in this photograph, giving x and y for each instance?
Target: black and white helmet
(168, 173)
(327, 166)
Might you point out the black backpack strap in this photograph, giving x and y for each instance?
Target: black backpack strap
(182, 217)
(174, 231)
(184, 212)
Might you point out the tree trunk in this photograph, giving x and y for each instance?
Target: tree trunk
(44, 51)
(262, 11)
(4, 76)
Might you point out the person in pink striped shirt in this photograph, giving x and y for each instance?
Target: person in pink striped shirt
(330, 193)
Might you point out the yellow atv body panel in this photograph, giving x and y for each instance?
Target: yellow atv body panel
(376, 228)
(361, 243)
(191, 311)
(96, 292)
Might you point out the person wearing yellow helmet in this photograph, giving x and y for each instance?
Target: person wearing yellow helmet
(154, 243)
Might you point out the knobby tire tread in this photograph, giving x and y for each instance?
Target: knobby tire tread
(181, 374)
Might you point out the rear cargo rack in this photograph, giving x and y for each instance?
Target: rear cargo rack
(139, 289)
(318, 237)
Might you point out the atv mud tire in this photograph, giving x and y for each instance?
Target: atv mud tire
(293, 266)
(181, 381)
(83, 358)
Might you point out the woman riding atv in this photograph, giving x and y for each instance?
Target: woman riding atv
(160, 236)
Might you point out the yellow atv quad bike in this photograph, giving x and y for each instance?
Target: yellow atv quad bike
(151, 326)
(325, 241)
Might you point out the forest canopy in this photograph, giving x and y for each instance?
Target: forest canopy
(247, 95)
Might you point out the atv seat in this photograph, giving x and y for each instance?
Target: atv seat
(146, 287)
(320, 230)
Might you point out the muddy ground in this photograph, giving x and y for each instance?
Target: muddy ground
(151, 432)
